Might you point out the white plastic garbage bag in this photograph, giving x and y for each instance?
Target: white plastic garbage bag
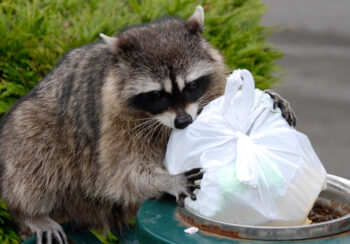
(258, 169)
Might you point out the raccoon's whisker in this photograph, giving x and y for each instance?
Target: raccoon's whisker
(150, 133)
(161, 131)
(137, 131)
(157, 128)
(148, 121)
(141, 126)
(148, 118)
(166, 133)
(153, 130)
(144, 131)
(145, 120)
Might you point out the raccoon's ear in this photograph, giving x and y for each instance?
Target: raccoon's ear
(118, 44)
(112, 42)
(196, 21)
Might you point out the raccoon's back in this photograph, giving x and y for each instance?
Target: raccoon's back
(58, 122)
(81, 75)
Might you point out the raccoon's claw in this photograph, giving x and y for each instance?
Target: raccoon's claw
(50, 237)
(194, 174)
(186, 185)
(46, 230)
(287, 111)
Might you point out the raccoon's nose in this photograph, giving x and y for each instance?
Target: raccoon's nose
(183, 121)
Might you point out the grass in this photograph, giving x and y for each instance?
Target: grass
(34, 34)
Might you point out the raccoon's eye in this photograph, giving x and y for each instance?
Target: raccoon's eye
(154, 102)
(195, 89)
(153, 95)
(191, 87)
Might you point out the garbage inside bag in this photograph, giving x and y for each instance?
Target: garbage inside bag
(258, 169)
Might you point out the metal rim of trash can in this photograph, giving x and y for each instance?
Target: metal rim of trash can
(337, 189)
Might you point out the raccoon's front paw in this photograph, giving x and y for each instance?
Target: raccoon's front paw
(287, 111)
(46, 230)
(185, 185)
(51, 236)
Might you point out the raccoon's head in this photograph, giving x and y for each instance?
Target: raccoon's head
(167, 71)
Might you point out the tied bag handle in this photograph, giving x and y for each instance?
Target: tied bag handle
(238, 111)
(238, 107)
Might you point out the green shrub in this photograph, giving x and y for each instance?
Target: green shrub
(7, 233)
(34, 34)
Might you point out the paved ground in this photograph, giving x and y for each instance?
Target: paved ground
(316, 39)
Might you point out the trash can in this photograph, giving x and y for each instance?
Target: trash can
(160, 222)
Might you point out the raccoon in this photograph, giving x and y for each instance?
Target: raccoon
(87, 143)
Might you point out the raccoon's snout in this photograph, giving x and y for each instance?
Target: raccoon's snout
(182, 121)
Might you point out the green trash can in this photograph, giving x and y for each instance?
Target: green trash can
(157, 224)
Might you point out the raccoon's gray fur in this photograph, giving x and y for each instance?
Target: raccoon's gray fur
(84, 145)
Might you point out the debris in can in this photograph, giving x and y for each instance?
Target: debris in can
(191, 230)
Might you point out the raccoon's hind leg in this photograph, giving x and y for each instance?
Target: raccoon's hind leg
(46, 230)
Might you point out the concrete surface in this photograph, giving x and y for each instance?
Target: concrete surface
(316, 40)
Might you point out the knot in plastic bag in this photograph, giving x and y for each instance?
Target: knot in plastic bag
(240, 135)
(245, 166)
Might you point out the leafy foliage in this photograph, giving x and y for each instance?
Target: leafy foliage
(34, 34)
(107, 238)
(7, 233)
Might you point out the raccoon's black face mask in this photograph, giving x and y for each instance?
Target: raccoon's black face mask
(169, 68)
(176, 107)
